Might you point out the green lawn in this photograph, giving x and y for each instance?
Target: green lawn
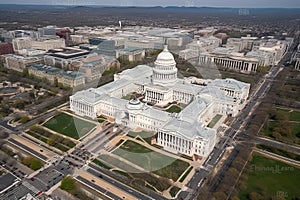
(117, 163)
(147, 136)
(101, 120)
(292, 114)
(186, 174)
(152, 161)
(213, 122)
(101, 164)
(280, 152)
(293, 138)
(69, 125)
(55, 140)
(270, 178)
(173, 109)
(128, 96)
(121, 173)
(174, 190)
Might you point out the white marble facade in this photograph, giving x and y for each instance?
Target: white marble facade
(185, 132)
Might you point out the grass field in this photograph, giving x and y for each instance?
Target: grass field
(174, 190)
(293, 138)
(149, 160)
(292, 114)
(294, 125)
(269, 178)
(280, 152)
(147, 136)
(69, 125)
(213, 122)
(101, 164)
(117, 163)
(174, 109)
(186, 174)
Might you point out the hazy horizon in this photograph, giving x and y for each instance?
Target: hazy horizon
(164, 3)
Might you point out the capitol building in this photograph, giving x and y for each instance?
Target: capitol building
(186, 132)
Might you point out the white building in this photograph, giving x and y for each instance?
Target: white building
(131, 54)
(22, 43)
(19, 63)
(203, 44)
(47, 44)
(186, 132)
(228, 58)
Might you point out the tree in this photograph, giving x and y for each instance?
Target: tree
(32, 162)
(19, 103)
(35, 164)
(234, 198)
(255, 196)
(25, 72)
(68, 184)
(220, 195)
(55, 82)
(276, 135)
(24, 119)
(51, 140)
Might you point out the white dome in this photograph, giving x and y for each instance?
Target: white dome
(165, 58)
(134, 104)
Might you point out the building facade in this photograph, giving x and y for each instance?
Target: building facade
(19, 63)
(6, 48)
(186, 132)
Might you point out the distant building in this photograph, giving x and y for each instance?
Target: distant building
(96, 41)
(78, 39)
(71, 78)
(229, 59)
(44, 72)
(144, 42)
(221, 36)
(22, 43)
(47, 44)
(31, 52)
(241, 44)
(48, 30)
(265, 58)
(131, 54)
(94, 65)
(6, 48)
(19, 63)
(203, 44)
(107, 46)
(65, 57)
(64, 33)
(53, 74)
(277, 48)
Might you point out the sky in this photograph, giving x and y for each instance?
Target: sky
(198, 3)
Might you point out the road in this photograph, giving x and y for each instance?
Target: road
(66, 163)
(236, 130)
